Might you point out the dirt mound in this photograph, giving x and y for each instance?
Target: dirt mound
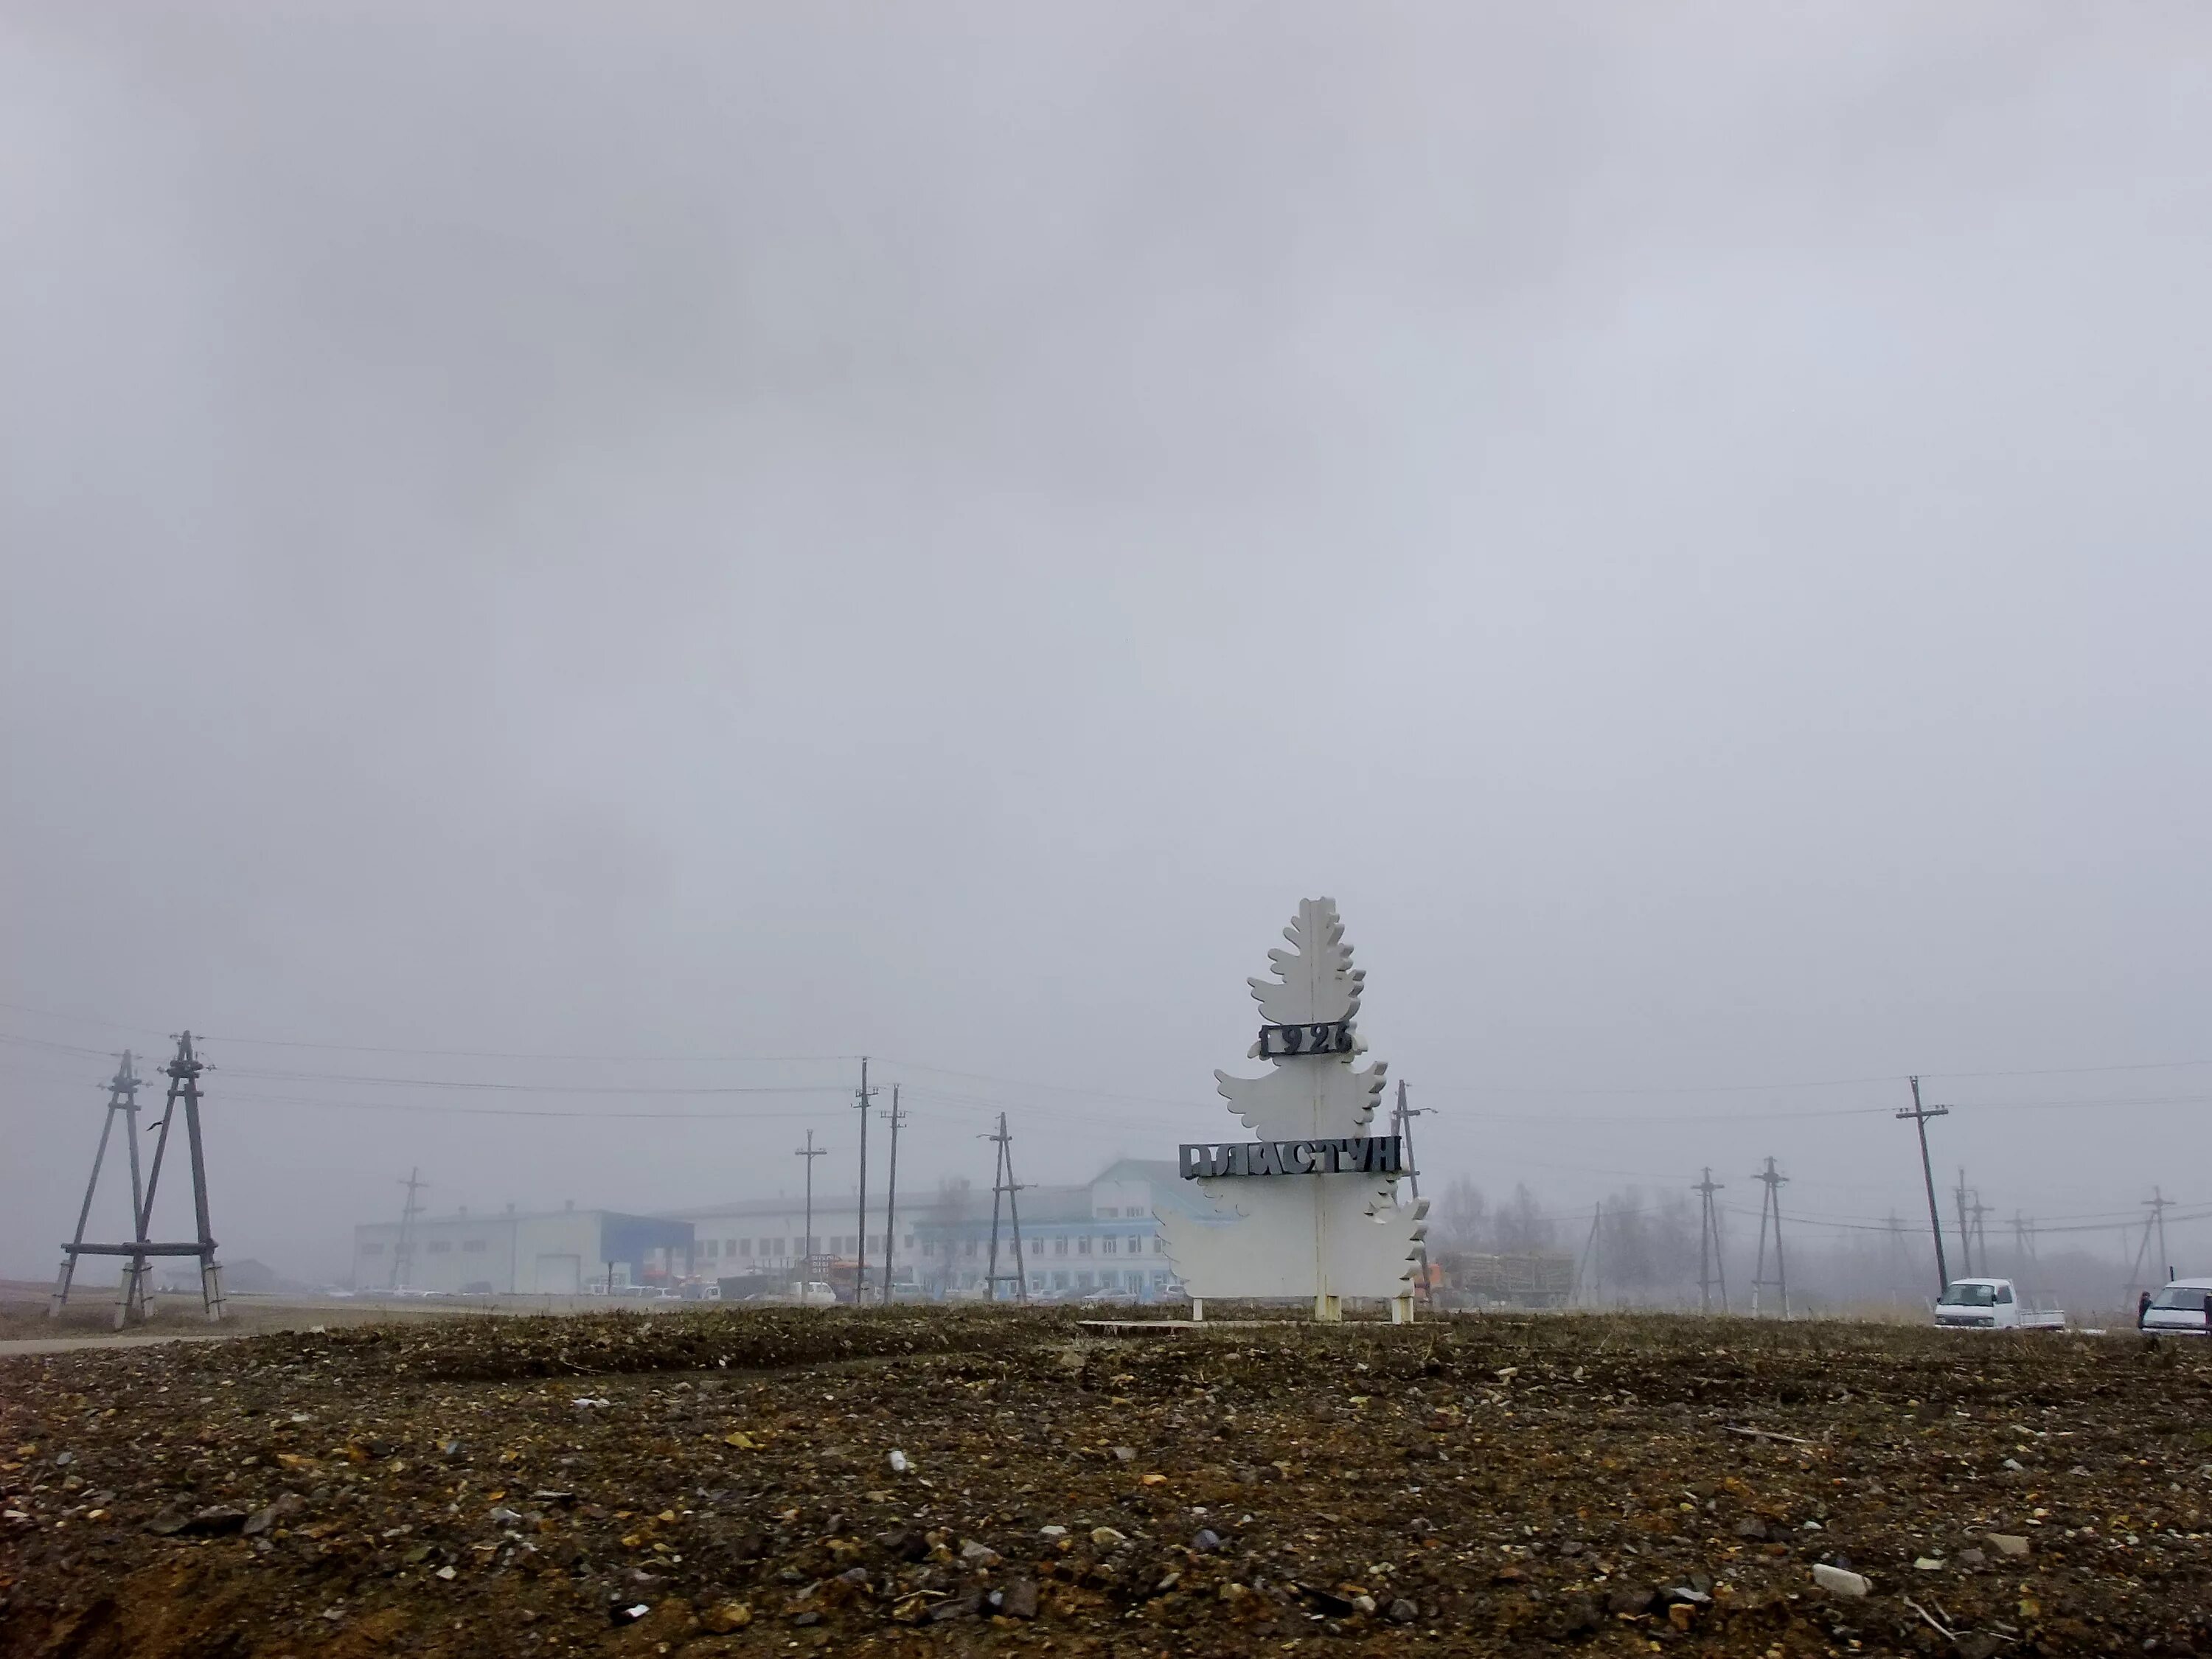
(747, 1482)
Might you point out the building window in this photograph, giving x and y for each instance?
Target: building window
(442, 1247)
(372, 1249)
(967, 1246)
(473, 1246)
(1159, 1281)
(741, 1247)
(1060, 1281)
(1059, 1245)
(1159, 1244)
(777, 1243)
(1109, 1245)
(1083, 1248)
(1083, 1281)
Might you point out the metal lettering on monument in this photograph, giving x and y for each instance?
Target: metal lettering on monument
(1339, 1228)
(1354, 1154)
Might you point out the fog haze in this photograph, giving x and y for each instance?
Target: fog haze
(721, 540)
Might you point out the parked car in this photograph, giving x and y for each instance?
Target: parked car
(1991, 1305)
(2178, 1310)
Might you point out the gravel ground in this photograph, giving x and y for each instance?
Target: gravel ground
(924, 1481)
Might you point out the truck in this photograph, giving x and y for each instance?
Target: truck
(1988, 1305)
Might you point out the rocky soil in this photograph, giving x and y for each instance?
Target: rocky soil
(919, 1481)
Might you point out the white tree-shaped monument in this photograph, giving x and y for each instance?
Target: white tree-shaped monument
(1327, 1224)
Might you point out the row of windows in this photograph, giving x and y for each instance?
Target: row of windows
(836, 1244)
(1041, 1282)
(1107, 1244)
(739, 1249)
(435, 1247)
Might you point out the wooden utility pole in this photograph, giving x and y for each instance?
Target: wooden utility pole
(1920, 1115)
(809, 1152)
(1002, 1180)
(1770, 1207)
(891, 1202)
(860, 1265)
(1710, 1263)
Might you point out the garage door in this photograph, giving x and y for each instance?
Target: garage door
(560, 1275)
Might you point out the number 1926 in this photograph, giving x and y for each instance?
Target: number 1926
(1328, 1037)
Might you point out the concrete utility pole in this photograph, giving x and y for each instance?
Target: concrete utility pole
(2157, 1204)
(1978, 1230)
(891, 1203)
(1770, 1208)
(861, 1265)
(1002, 1180)
(122, 1096)
(1591, 1254)
(809, 1152)
(1965, 1230)
(1404, 1115)
(2023, 1244)
(1709, 1244)
(1920, 1115)
(184, 1074)
(403, 1253)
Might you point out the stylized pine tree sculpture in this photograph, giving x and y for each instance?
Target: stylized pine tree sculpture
(1330, 1226)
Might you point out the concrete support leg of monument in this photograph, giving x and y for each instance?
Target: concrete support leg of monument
(1327, 1309)
(1402, 1309)
(1198, 1310)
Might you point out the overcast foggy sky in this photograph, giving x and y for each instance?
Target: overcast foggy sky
(679, 531)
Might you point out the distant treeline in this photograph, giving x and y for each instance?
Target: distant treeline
(1640, 1246)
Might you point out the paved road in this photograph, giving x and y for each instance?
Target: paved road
(139, 1340)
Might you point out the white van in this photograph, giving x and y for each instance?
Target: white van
(2177, 1310)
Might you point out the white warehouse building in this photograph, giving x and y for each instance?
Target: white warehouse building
(552, 1253)
(769, 1235)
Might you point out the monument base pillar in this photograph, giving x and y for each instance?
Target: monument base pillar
(1327, 1309)
(1402, 1309)
(1198, 1310)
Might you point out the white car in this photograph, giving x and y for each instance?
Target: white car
(2177, 1310)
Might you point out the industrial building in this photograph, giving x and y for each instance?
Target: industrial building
(751, 1237)
(1100, 1237)
(553, 1253)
